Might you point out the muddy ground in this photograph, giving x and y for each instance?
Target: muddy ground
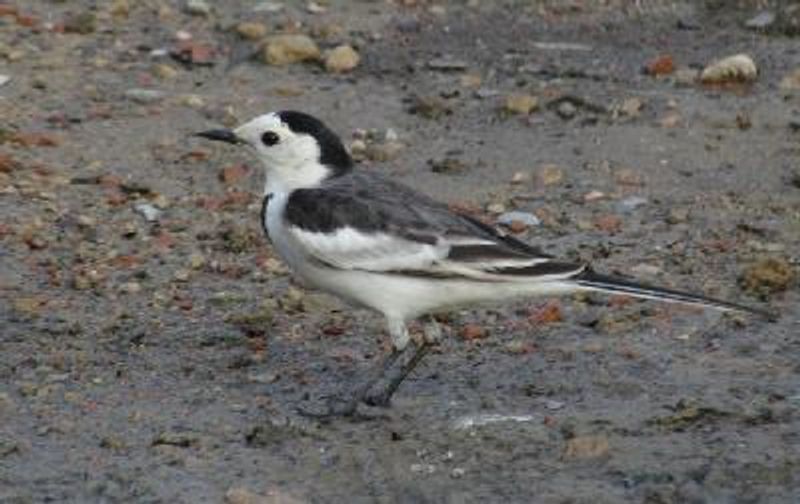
(163, 360)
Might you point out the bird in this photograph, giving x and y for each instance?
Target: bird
(382, 245)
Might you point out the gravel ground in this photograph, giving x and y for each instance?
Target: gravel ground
(154, 349)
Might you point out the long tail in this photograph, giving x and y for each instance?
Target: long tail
(612, 284)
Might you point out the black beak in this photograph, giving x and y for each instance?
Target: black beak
(221, 135)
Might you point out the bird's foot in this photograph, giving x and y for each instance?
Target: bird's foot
(381, 399)
(337, 407)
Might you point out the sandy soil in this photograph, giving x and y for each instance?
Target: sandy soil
(163, 360)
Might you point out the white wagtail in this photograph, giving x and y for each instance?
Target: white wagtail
(384, 246)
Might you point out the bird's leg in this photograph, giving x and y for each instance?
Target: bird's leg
(382, 398)
(346, 405)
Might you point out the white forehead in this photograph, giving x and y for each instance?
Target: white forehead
(262, 123)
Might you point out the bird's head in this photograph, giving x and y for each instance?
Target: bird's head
(297, 149)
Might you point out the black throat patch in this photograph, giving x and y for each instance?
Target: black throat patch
(332, 152)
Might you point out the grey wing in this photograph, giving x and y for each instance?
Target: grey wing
(366, 222)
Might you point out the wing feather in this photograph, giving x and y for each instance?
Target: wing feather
(361, 221)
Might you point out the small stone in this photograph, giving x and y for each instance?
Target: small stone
(495, 208)
(164, 71)
(671, 120)
(120, 8)
(737, 68)
(678, 215)
(627, 177)
(448, 165)
(760, 21)
(182, 275)
(768, 276)
(423, 468)
(287, 49)
(484, 93)
(646, 270)
(239, 495)
(447, 65)
(130, 287)
(519, 178)
(631, 203)
(608, 223)
(251, 30)
(471, 81)
(148, 211)
(632, 107)
(430, 107)
(521, 103)
(315, 8)
(550, 174)
(144, 96)
(234, 173)
(4, 79)
(341, 59)
(192, 101)
(83, 23)
(660, 65)
(791, 82)
(566, 110)
(685, 77)
(196, 260)
(472, 332)
(268, 7)
(197, 7)
(586, 447)
(593, 196)
(384, 151)
(457, 472)
(518, 221)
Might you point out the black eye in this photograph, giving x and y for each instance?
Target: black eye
(270, 138)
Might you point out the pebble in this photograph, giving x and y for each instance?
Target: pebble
(481, 419)
(495, 208)
(760, 21)
(472, 332)
(423, 468)
(144, 96)
(384, 151)
(790, 82)
(197, 7)
(631, 203)
(515, 219)
(448, 164)
(768, 275)
(251, 30)
(130, 287)
(593, 196)
(148, 211)
(678, 215)
(164, 71)
(4, 79)
(587, 447)
(240, 495)
(632, 107)
(566, 110)
(457, 472)
(447, 65)
(341, 59)
(736, 68)
(287, 49)
(660, 65)
(685, 77)
(196, 260)
(268, 7)
(521, 103)
(550, 174)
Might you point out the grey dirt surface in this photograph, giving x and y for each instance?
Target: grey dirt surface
(154, 349)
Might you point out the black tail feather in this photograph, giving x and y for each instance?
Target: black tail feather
(619, 285)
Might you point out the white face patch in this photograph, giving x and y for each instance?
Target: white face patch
(292, 162)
